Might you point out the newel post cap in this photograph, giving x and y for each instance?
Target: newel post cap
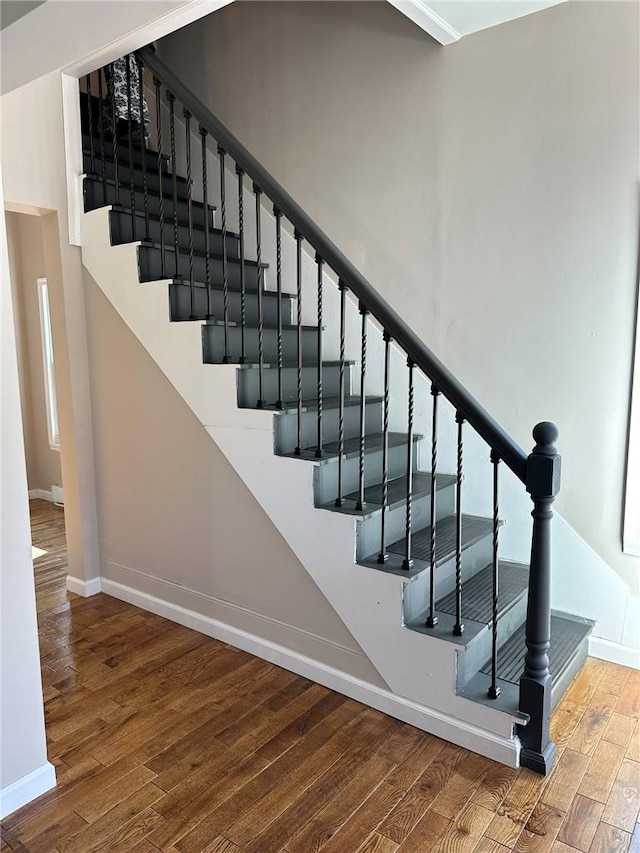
(544, 462)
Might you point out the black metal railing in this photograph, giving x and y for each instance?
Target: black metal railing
(539, 472)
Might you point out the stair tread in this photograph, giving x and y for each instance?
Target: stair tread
(474, 528)
(216, 256)
(272, 294)
(272, 326)
(197, 225)
(152, 193)
(331, 449)
(291, 406)
(292, 365)
(566, 635)
(477, 592)
(397, 488)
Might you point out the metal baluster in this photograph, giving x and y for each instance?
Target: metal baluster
(407, 563)
(432, 619)
(157, 84)
(258, 193)
(114, 139)
(103, 163)
(319, 264)
(132, 194)
(458, 628)
(298, 237)
(225, 275)
(278, 215)
(92, 152)
(361, 504)
(243, 284)
(494, 689)
(192, 281)
(340, 498)
(143, 149)
(174, 179)
(205, 222)
(383, 556)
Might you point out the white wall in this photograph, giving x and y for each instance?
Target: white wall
(24, 770)
(488, 189)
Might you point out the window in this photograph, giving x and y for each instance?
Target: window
(47, 358)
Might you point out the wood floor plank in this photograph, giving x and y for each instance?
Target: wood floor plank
(376, 843)
(516, 808)
(426, 834)
(566, 779)
(465, 832)
(610, 839)
(540, 831)
(581, 822)
(355, 830)
(619, 729)
(602, 771)
(589, 731)
(623, 803)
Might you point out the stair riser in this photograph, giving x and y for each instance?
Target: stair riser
(180, 303)
(93, 198)
(153, 181)
(249, 384)
(150, 268)
(122, 232)
(326, 476)
(213, 344)
(416, 594)
(286, 426)
(368, 529)
(479, 650)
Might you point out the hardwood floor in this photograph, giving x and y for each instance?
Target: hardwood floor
(164, 739)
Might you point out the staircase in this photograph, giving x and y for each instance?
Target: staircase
(338, 418)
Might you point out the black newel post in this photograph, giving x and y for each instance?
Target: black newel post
(543, 484)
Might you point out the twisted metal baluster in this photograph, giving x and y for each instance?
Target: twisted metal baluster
(258, 193)
(192, 279)
(319, 264)
(114, 138)
(340, 498)
(174, 178)
(407, 562)
(143, 150)
(278, 215)
(205, 222)
(494, 689)
(225, 276)
(103, 163)
(383, 556)
(361, 504)
(92, 153)
(163, 271)
(432, 619)
(243, 283)
(458, 628)
(298, 237)
(130, 125)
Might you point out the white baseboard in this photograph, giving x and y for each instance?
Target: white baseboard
(504, 750)
(614, 652)
(84, 588)
(27, 788)
(40, 493)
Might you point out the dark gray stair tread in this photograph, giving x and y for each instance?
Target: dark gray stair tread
(197, 225)
(124, 184)
(286, 327)
(566, 635)
(397, 488)
(218, 288)
(331, 450)
(290, 407)
(474, 528)
(214, 256)
(477, 592)
(292, 365)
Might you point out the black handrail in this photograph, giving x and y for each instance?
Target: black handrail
(495, 436)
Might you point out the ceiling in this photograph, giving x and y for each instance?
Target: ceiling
(449, 20)
(12, 10)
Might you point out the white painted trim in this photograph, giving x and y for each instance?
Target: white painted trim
(505, 750)
(614, 652)
(156, 29)
(27, 788)
(84, 588)
(73, 162)
(40, 493)
(420, 13)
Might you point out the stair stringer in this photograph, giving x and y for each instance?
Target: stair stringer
(419, 670)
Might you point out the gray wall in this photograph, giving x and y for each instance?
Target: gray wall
(27, 264)
(488, 189)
